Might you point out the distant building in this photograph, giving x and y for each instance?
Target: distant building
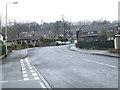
(92, 32)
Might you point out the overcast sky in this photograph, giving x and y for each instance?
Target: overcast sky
(51, 10)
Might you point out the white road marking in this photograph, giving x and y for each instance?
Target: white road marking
(34, 74)
(4, 81)
(26, 78)
(36, 78)
(22, 63)
(51, 51)
(23, 69)
(20, 80)
(24, 72)
(32, 70)
(25, 75)
(100, 63)
(45, 82)
(30, 67)
(26, 59)
(22, 66)
(42, 85)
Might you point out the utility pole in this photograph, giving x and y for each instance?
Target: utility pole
(6, 24)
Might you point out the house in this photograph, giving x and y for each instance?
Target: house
(92, 32)
(31, 41)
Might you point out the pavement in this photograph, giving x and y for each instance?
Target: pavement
(96, 52)
(18, 72)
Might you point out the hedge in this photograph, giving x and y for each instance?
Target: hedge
(2, 50)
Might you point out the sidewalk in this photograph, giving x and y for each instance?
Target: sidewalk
(11, 64)
(97, 52)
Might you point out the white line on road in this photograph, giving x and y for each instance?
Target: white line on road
(43, 86)
(23, 69)
(25, 75)
(32, 71)
(30, 67)
(4, 81)
(22, 64)
(24, 72)
(44, 81)
(51, 51)
(26, 78)
(100, 63)
(36, 78)
(34, 74)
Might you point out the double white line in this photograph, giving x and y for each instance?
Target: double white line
(25, 76)
(34, 72)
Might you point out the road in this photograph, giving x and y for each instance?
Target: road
(58, 67)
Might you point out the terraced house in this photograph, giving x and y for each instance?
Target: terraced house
(94, 32)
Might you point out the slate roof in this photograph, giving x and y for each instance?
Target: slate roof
(98, 27)
(29, 38)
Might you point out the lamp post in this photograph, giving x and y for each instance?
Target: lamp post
(6, 25)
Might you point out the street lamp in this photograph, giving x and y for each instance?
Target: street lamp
(6, 24)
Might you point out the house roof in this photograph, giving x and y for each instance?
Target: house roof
(29, 38)
(97, 27)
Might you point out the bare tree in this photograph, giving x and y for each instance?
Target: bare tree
(57, 28)
(103, 35)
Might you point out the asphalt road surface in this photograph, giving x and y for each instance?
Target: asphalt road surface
(58, 67)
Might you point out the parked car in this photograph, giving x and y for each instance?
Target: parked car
(57, 43)
(63, 43)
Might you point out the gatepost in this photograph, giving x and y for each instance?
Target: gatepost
(117, 41)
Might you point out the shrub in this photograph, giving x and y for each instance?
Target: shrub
(14, 47)
(114, 50)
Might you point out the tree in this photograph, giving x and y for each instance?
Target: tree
(103, 34)
(57, 28)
